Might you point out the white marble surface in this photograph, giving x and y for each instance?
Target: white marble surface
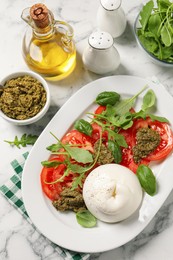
(18, 240)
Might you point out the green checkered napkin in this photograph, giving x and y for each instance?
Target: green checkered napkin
(12, 192)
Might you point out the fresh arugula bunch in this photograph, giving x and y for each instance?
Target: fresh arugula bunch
(120, 115)
(156, 31)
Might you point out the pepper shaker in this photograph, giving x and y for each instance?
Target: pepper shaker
(111, 17)
(101, 56)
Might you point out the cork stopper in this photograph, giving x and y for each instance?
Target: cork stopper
(40, 15)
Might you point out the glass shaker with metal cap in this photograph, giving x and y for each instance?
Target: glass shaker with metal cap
(111, 17)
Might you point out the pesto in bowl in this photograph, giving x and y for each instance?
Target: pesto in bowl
(24, 98)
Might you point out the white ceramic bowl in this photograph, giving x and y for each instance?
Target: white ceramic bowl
(44, 109)
(150, 55)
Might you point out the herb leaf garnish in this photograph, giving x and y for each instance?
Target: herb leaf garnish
(23, 141)
(146, 179)
(83, 126)
(86, 219)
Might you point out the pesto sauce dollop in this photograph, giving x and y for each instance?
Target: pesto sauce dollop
(147, 141)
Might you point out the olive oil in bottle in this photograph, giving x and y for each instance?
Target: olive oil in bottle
(48, 47)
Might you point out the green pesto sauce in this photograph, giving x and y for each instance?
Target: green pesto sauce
(22, 97)
(147, 140)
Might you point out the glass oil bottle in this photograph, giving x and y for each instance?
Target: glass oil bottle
(48, 46)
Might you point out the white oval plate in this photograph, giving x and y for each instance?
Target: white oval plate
(62, 228)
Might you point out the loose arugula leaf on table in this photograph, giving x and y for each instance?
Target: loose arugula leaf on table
(23, 141)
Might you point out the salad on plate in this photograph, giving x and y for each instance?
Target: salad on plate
(100, 168)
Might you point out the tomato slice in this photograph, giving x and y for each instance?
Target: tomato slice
(127, 155)
(164, 130)
(127, 158)
(100, 109)
(51, 174)
(96, 133)
(77, 138)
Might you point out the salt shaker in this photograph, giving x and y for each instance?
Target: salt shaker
(111, 17)
(101, 56)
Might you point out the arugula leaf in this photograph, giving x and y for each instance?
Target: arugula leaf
(154, 24)
(125, 105)
(149, 42)
(124, 121)
(107, 98)
(148, 100)
(86, 219)
(79, 154)
(146, 179)
(115, 150)
(163, 5)
(77, 168)
(145, 14)
(140, 114)
(120, 140)
(110, 111)
(54, 147)
(156, 31)
(50, 164)
(23, 141)
(83, 126)
(166, 35)
(158, 118)
(77, 182)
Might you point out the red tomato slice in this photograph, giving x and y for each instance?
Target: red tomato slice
(127, 160)
(164, 130)
(75, 137)
(51, 190)
(100, 109)
(127, 155)
(97, 132)
(50, 175)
